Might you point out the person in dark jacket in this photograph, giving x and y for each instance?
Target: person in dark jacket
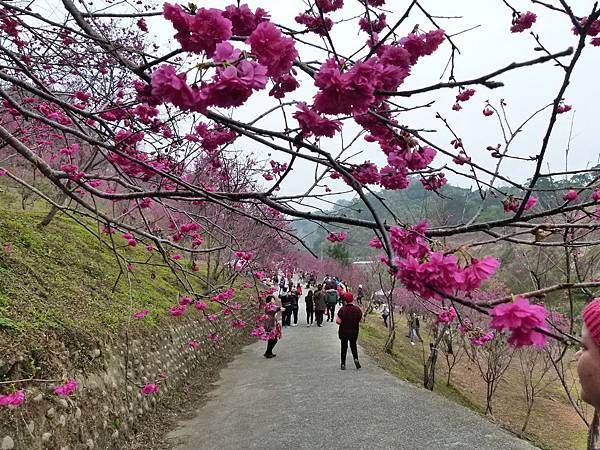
(310, 308)
(348, 319)
(286, 305)
(294, 299)
(320, 305)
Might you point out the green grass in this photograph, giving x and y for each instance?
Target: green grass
(405, 361)
(61, 277)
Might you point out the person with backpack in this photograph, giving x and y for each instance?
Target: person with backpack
(331, 299)
(320, 304)
(286, 305)
(348, 318)
(310, 308)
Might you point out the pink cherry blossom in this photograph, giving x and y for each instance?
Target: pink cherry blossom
(562, 108)
(470, 278)
(150, 388)
(14, 399)
(375, 243)
(194, 344)
(272, 49)
(177, 311)
(530, 203)
(488, 111)
(66, 389)
(570, 196)
(522, 22)
(465, 95)
(366, 173)
(482, 338)
(141, 24)
(244, 21)
(214, 337)
(521, 319)
(337, 237)
(141, 314)
(8, 248)
(236, 323)
(312, 124)
(446, 315)
(200, 32)
(328, 6)
(200, 305)
(185, 300)
(169, 86)
(314, 23)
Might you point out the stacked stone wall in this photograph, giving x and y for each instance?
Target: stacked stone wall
(108, 404)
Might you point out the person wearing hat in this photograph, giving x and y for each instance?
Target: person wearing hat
(359, 294)
(348, 318)
(588, 363)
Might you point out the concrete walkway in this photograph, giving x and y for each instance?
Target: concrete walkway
(302, 400)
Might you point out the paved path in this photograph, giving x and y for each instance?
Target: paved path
(302, 400)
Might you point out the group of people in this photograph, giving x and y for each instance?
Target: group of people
(320, 302)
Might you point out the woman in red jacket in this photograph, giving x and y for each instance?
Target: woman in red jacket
(348, 318)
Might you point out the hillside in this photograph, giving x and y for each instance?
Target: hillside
(61, 284)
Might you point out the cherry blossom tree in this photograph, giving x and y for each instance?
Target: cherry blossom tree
(182, 127)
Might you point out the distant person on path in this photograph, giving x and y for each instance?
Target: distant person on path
(294, 297)
(310, 308)
(272, 326)
(385, 314)
(320, 304)
(588, 364)
(332, 299)
(299, 290)
(348, 318)
(359, 294)
(281, 285)
(286, 304)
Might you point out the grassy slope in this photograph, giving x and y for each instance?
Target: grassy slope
(60, 279)
(405, 361)
(553, 426)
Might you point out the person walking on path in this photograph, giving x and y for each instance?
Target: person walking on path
(281, 285)
(348, 318)
(385, 314)
(294, 298)
(320, 304)
(359, 294)
(588, 364)
(272, 326)
(310, 308)
(332, 299)
(286, 304)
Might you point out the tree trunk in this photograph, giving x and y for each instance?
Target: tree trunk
(429, 368)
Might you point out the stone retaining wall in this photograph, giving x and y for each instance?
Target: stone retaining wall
(106, 406)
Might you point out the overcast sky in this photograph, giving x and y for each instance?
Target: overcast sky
(488, 47)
